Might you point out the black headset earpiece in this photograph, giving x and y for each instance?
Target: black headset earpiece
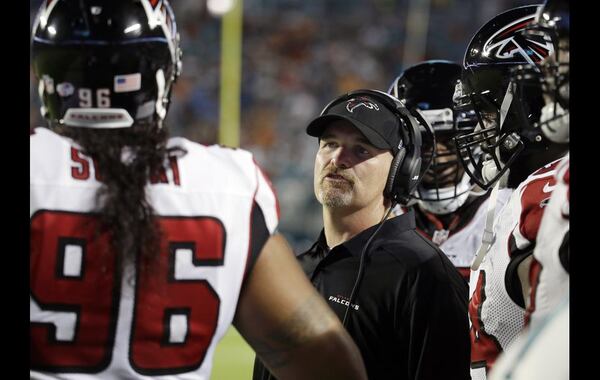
(405, 171)
(391, 186)
(425, 129)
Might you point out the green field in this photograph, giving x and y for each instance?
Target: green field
(233, 358)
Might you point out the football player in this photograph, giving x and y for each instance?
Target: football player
(504, 139)
(450, 209)
(549, 272)
(542, 350)
(144, 249)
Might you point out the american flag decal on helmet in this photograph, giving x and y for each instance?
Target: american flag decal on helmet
(510, 44)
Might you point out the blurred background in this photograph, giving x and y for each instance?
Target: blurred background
(296, 56)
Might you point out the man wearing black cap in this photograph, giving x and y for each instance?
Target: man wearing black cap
(407, 310)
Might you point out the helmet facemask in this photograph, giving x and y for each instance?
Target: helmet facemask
(551, 76)
(445, 186)
(488, 152)
(554, 120)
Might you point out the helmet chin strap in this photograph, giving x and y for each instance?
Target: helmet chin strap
(506, 102)
(489, 172)
(161, 111)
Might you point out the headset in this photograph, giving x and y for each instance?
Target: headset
(405, 171)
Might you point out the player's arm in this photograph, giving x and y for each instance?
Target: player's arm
(288, 323)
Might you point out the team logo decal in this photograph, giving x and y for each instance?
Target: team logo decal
(361, 101)
(65, 89)
(440, 236)
(509, 44)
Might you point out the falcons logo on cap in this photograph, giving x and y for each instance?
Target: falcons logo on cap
(360, 101)
(509, 44)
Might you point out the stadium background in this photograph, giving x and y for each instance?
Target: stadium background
(296, 56)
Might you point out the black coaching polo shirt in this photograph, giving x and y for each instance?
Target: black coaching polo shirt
(409, 317)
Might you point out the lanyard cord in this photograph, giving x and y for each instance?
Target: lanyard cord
(361, 266)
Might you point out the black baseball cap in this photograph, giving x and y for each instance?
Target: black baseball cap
(370, 116)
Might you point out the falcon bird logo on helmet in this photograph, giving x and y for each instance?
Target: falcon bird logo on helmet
(509, 44)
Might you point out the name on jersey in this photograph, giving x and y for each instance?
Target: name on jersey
(82, 166)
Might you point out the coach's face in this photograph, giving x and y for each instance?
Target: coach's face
(349, 171)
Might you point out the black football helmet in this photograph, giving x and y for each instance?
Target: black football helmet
(504, 110)
(552, 23)
(429, 87)
(105, 64)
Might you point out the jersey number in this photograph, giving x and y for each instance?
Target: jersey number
(73, 283)
(102, 98)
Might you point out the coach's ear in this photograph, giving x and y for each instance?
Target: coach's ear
(289, 325)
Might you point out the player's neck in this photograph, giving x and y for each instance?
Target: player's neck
(341, 224)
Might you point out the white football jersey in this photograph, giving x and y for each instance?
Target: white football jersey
(496, 320)
(548, 277)
(541, 352)
(215, 208)
(462, 245)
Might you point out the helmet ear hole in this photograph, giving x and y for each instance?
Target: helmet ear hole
(98, 71)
